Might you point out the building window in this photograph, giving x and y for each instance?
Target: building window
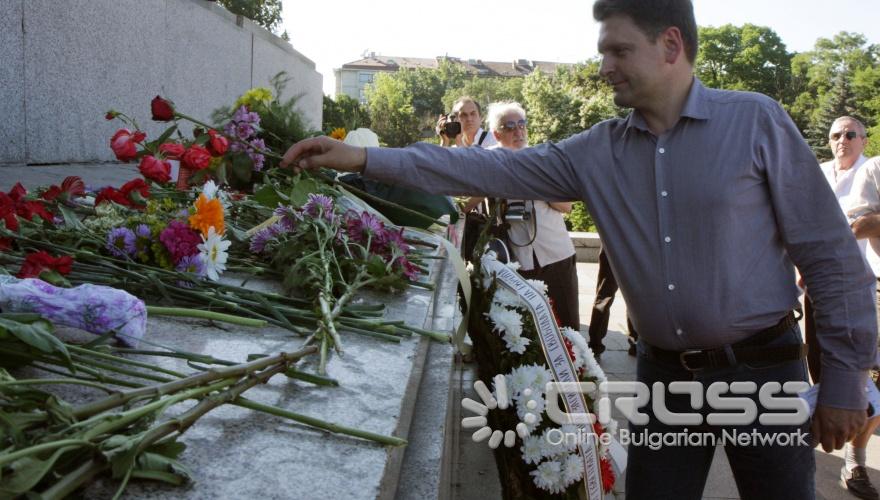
(365, 78)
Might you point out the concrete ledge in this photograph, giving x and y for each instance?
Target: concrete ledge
(586, 245)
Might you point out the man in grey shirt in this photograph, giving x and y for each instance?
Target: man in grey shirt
(704, 199)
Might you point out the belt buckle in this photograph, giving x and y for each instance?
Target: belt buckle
(683, 359)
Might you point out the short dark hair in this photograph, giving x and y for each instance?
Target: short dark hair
(654, 16)
(463, 99)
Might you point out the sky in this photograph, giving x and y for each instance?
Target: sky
(332, 34)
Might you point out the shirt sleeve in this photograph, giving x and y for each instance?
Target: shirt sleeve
(544, 172)
(820, 243)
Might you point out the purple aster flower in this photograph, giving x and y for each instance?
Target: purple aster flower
(259, 144)
(241, 114)
(319, 205)
(143, 231)
(121, 242)
(289, 217)
(192, 264)
(360, 226)
(259, 160)
(244, 131)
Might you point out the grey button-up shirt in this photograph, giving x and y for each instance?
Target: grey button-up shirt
(701, 224)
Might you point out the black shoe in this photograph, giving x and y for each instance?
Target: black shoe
(632, 350)
(858, 484)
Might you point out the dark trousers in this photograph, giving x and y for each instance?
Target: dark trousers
(562, 288)
(762, 471)
(606, 287)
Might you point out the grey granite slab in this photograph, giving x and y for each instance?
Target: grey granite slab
(12, 105)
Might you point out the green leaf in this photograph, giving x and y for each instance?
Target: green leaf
(53, 277)
(165, 135)
(220, 173)
(302, 187)
(37, 334)
(28, 471)
(268, 196)
(71, 221)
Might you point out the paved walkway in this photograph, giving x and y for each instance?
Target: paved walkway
(477, 477)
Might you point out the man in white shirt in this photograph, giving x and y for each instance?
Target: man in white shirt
(858, 194)
(468, 113)
(539, 239)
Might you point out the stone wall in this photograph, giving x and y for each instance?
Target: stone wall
(64, 64)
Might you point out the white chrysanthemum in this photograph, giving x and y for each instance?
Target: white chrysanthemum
(532, 449)
(578, 436)
(362, 137)
(517, 380)
(506, 320)
(213, 253)
(522, 409)
(573, 469)
(505, 297)
(611, 427)
(516, 344)
(488, 278)
(209, 189)
(540, 377)
(579, 346)
(548, 476)
(594, 370)
(538, 285)
(513, 265)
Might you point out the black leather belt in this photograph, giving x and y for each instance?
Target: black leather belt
(750, 350)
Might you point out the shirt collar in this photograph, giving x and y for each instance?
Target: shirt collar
(696, 107)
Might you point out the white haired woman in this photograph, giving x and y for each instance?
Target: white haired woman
(539, 240)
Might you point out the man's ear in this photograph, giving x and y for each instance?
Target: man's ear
(673, 44)
(497, 136)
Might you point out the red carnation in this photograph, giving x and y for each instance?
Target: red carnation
(163, 109)
(124, 144)
(71, 187)
(15, 203)
(136, 190)
(112, 194)
(172, 150)
(155, 170)
(217, 143)
(196, 158)
(37, 262)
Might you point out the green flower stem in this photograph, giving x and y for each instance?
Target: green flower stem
(117, 369)
(314, 422)
(73, 480)
(57, 381)
(201, 314)
(191, 381)
(367, 333)
(67, 374)
(10, 457)
(120, 359)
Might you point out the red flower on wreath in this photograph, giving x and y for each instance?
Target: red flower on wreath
(155, 169)
(124, 144)
(37, 262)
(133, 193)
(172, 150)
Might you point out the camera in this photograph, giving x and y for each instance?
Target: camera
(517, 211)
(451, 128)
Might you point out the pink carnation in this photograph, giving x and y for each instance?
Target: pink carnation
(180, 240)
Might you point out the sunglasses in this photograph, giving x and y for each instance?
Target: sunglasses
(836, 136)
(512, 125)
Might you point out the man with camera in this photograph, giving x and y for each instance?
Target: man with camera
(536, 231)
(705, 199)
(464, 126)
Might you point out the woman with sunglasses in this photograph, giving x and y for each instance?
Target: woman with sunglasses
(538, 237)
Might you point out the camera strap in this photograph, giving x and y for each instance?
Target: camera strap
(482, 137)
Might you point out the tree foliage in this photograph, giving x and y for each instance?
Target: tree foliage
(345, 112)
(266, 13)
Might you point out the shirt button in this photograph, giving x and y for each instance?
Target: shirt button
(678, 332)
(664, 194)
(671, 287)
(662, 150)
(667, 239)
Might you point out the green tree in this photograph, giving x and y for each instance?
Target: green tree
(485, 91)
(345, 112)
(266, 13)
(393, 116)
(747, 57)
(838, 101)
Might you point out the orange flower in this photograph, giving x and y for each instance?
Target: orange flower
(338, 134)
(208, 213)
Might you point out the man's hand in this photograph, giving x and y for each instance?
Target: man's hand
(834, 427)
(866, 226)
(325, 152)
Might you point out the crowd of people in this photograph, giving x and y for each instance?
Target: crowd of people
(707, 202)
